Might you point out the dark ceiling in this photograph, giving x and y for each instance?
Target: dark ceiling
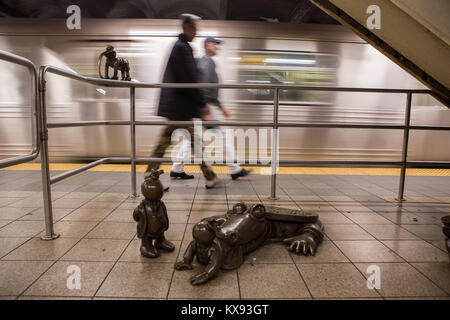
(294, 11)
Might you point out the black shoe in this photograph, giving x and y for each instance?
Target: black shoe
(241, 173)
(182, 175)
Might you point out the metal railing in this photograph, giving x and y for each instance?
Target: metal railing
(47, 181)
(9, 57)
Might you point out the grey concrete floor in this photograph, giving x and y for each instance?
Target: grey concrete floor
(364, 226)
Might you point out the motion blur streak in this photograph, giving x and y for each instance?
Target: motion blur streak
(252, 52)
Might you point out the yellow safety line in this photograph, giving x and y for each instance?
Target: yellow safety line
(256, 170)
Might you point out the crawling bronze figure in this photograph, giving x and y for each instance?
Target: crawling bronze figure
(152, 219)
(221, 242)
(118, 64)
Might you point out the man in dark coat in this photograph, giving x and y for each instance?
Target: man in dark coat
(181, 104)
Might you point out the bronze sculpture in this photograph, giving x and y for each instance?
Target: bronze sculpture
(221, 242)
(118, 64)
(446, 229)
(152, 219)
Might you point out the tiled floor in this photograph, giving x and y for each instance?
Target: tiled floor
(364, 226)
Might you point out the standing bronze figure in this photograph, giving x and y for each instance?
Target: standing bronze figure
(221, 242)
(152, 219)
(118, 64)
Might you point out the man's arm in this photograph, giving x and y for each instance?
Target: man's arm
(185, 71)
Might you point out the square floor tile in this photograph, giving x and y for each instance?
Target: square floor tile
(269, 253)
(113, 230)
(406, 218)
(16, 276)
(334, 218)
(340, 280)
(417, 251)
(73, 229)
(8, 213)
(22, 229)
(37, 249)
(346, 232)
(133, 254)
(106, 205)
(178, 216)
(327, 252)
(175, 231)
(402, 280)
(438, 272)
(146, 280)
(366, 218)
(39, 215)
(87, 215)
(121, 215)
(96, 250)
(426, 232)
(55, 281)
(271, 281)
(68, 203)
(223, 286)
(9, 244)
(30, 202)
(367, 251)
(388, 232)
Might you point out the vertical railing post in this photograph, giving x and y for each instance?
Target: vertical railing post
(46, 187)
(401, 188)
(133, 140)
(274, 162)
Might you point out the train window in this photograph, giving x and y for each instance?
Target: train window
(290, 68)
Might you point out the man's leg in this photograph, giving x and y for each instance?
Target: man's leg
(207, 171)
(235, 169)
(177, 170)
(163, 144)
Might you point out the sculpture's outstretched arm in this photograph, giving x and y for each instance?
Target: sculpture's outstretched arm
(213, 267)
(188, 257)
(306, 242)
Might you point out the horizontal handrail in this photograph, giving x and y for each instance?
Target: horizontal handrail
(15, 59)
(133, 84)
(275, 124)
(242, 124)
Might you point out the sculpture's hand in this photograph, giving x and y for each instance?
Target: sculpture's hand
(183, 265)
(199, 278)
(304, 244)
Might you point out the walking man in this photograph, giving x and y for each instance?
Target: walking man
(182, 104)
(215, 111)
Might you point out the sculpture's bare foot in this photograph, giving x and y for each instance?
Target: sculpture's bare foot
(149, 252)
(199, 278)
(181, 265)
(165, 245)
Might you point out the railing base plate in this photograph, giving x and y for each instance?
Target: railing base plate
(52, 237)
(400, 200)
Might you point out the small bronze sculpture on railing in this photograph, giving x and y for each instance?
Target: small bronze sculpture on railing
(152, 219)
(446, 229)
(221, 242)
(118, 64)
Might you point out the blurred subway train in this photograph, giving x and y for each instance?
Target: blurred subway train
(252, 53)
